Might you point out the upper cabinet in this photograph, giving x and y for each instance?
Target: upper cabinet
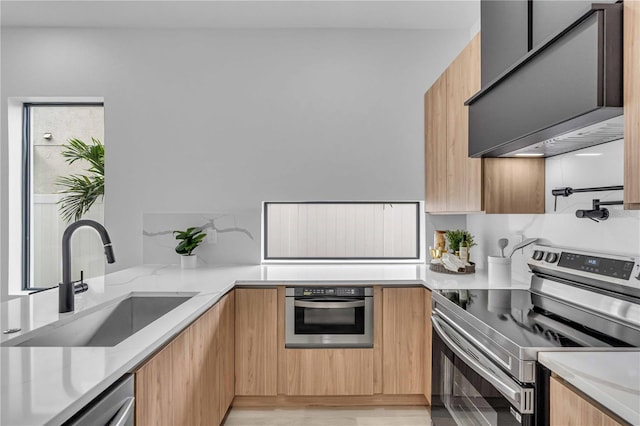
(456, 183)
(631, 104)
(505, 37)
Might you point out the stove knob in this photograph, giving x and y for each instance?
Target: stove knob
(538, 255)
(551, 258)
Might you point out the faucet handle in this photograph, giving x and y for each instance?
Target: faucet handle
(80, 286)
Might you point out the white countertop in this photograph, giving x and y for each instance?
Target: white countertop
(610, 378)
(46, 385)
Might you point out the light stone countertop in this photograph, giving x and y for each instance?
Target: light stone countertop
(610, 378)
(47, 385)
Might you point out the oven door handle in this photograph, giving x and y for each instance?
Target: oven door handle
(519, 397)
(328, 305)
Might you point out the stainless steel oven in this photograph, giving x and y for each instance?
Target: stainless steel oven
(329, 317)
(469, 388)
(486, 341)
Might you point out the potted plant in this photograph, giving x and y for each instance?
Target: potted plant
(189, 240)
(454, 238)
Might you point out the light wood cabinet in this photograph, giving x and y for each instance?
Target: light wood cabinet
(427, 346)
(569, 408)
(403, 341)
(631, 104)
(435, 110)
(464, 174)
(226, 353)
(188, 382)
(256, 342)
(153, 390)
(329, 371)
(455, 183)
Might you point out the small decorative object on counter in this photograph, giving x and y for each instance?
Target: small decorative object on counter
(439, 242)
(452, 264)
(499, 270)
(464, 249)
(454, 237)
(189, 239)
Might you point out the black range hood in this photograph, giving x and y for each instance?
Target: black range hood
(565, 95)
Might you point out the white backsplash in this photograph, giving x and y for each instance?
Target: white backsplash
(237, 238)
(620, 234)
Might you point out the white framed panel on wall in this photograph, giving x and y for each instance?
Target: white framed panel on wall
(343, 232)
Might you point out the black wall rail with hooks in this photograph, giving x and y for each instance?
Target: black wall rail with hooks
(597, 213)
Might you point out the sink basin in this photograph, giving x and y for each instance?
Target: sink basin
(105, 326)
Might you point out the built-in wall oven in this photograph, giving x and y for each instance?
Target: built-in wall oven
(329, 317)
(486, 342)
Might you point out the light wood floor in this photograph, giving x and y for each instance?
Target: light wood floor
(333, 416)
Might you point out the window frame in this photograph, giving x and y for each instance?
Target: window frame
(26, 187)
(420, 238)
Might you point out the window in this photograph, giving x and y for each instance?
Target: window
(342, 232)
(55, 176)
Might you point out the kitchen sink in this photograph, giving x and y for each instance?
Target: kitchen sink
(105, 326)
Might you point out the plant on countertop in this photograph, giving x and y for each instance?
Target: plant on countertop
(455, 238)
(81, 191)
(189, 240)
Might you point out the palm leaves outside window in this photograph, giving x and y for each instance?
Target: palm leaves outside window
(81, 191)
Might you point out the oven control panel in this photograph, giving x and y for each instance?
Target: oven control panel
(330, 291)
(611, 268)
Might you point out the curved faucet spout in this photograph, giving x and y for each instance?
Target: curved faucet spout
(66, 291)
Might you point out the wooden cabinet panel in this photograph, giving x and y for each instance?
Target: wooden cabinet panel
(435, 136)
(205, 377)
(182, 380)
(163, 386)
(569, 408)
(455, 183)
(329, 371)
(514, 185)
(153, 402)
(403, 337)
(631, 104)
(226, 352)
(427, 346)
(464, 174)
(256, 337)
(190, 381)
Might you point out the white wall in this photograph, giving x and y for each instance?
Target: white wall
(220, 120)
(620, 234)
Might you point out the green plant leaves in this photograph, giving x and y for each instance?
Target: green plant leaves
(454, 237)
(81, 191)
(189, 240)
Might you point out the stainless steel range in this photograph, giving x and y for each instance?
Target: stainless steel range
(486, 342)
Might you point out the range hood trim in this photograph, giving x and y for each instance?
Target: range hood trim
(607, 105)
(537, 51)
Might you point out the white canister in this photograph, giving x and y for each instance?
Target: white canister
(499, 270)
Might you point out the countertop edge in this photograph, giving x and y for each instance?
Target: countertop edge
(590, 388)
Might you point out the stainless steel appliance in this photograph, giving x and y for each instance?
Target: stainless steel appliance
(486, 342)
(114, 407)
(329, 317)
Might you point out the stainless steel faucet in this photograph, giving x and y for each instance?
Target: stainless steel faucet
(66, 293)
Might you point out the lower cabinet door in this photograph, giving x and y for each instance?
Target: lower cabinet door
(404, 340)
(329, 372)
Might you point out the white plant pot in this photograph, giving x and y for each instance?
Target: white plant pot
(188, 262)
